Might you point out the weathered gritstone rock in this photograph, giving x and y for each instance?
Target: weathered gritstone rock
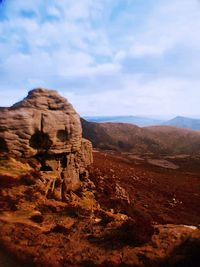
(45, 126)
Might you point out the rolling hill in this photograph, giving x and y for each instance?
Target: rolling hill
(131, 138)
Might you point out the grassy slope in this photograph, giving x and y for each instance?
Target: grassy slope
(131, 138)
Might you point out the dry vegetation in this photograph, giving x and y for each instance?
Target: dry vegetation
(159, 140)
(119, 217)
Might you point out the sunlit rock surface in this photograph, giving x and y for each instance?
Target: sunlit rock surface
(46, 127)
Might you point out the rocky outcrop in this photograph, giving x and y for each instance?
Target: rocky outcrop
(44, 126)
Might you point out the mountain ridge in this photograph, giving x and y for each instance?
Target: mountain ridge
(138, 120)
(184, 122)
(143, 121)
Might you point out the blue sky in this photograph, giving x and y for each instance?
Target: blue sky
(108, 57)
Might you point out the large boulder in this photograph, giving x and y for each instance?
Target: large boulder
(46, 127)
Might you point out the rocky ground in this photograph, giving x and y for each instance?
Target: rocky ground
(153, 185)
(129, 212)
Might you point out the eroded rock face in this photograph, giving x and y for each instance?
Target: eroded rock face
(45, 126)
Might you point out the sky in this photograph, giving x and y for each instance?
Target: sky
(107, 57)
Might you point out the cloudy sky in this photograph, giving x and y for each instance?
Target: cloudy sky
(108, 57)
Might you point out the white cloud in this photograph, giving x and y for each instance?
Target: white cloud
(171, 23)
(53, 11)
(103, 53)
(159, 97)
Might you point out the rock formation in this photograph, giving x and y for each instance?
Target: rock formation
(44, 126)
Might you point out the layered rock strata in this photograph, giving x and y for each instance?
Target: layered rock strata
(44, 126)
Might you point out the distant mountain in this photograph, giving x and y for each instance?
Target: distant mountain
(137, 120)
(183, 122)
(131, 138)
(179, 121)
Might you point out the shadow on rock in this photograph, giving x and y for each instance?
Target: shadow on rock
(185, 255)
(117, 235)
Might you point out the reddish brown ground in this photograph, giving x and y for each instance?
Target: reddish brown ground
(167, 195)
(132, 214)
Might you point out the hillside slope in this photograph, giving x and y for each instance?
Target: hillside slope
(131, 138)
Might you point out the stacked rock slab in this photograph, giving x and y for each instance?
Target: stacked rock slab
(45, 126)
